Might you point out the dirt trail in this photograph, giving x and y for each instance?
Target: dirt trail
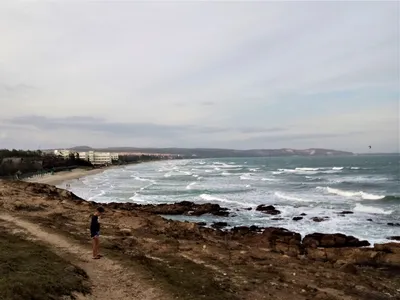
(110, 280)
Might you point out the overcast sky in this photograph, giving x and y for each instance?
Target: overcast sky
(237, 75)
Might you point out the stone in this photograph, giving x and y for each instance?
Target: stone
(318, 219)
(297, 218)
(336, 240)
(268, 209)
(346, 212)
(393, 224)
(303, 214)
(348, 268)
(219, 225)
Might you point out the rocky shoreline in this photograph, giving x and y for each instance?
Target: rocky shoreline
(258, 263)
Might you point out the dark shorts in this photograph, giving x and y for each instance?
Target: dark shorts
(94, 234)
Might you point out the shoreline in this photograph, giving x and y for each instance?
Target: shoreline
(63, 176)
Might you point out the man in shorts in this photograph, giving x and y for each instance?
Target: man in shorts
(95, 231)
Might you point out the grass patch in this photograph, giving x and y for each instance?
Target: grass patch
(31, 271)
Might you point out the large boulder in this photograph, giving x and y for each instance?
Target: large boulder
(268, 209)
(336, 240)
(283, 240)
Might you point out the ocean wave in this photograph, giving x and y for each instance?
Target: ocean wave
(355, 168)
(208, 197)
(189, 186)
(308, 171)
(371, 209)
(246, 177)
(352, 194)
(269, 179)
(141, 179)
(290, 198)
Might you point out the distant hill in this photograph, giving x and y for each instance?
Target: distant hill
(214, 153)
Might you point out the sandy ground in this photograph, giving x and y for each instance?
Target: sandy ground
(60, 177)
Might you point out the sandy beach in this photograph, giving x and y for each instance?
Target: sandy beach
(60, 177)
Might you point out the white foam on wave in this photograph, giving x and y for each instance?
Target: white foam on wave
(307, 169)
(290, 198)
(208, 197)
(102, 192)
(253, 169)
(355, 168)
(166, 175)
(189, 186)
(269, 179)
(226, 174)
(371, 209)
(352, 194)
(208, 171)
(195, 175)
(140, 178)
(217, 169)
(337, 168)
(246, 177)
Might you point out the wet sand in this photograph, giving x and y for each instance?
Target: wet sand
(60, 177)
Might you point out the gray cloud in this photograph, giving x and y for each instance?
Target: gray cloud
(88, 123)
(158, 73)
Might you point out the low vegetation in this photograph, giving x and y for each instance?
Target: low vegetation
(31, 271)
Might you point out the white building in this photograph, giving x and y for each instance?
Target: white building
(99, 158)
(63, 153)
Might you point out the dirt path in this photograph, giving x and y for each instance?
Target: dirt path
(110, 280)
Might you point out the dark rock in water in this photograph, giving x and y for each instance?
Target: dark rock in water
(393, 224)
(255, 228)
(264, 207)
(248, 208)
(202, 223)
(395, 238)
(219, 225)
(303, 214)
(179, 208)
(346, 212)
(268, 209)
(277, 219)
(336, 240)
(318, 219)
(245, 230)
(297, 218)
(369, 220)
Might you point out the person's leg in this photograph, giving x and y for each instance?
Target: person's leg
(94, 246)
(98, 246)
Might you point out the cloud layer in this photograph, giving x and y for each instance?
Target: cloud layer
(241, 75)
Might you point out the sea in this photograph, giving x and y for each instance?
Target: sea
(369, 186)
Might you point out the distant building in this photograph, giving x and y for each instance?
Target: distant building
(63, 153)
(99, 158)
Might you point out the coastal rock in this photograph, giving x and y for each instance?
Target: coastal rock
(283, 241)
(277, 219)
(370, 220)
(393, 224)
(336, 240)
(346, 212)
(202, 223)
(318, 219)
(179, 208)
(219, 225)
(395, 238)
(248, 208)
(303, 214)
(268, 209)
(297, 218)
(349, 268)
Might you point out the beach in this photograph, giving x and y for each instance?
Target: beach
(60, 177)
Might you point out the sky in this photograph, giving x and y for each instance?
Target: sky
(243, 75)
